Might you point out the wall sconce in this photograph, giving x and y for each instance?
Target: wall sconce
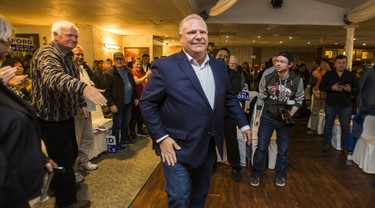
(111, 46)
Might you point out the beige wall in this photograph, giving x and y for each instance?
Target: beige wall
(99, 37)
(41, 30)
(138, 41)
(171, 49)
(90, 38)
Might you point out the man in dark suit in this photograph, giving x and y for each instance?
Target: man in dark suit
(183, 107)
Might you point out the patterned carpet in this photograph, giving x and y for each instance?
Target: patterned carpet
(119, 178)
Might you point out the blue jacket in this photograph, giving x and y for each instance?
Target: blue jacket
(174, 103)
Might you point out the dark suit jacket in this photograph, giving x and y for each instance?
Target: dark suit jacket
(174, 103)
(21, 160)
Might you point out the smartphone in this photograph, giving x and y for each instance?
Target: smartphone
(344, 83)
(59, 169)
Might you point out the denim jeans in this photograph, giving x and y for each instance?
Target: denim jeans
(121, 122)
(345, 115)
(186, 186)
(283, 134)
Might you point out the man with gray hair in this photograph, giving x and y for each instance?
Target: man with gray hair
(58, 95)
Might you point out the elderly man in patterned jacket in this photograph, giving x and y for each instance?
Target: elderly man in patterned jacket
(57, 96)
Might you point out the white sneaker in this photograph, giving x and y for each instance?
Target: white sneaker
(90, 166)
(79, 177)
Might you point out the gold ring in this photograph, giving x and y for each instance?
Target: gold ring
(3, 73)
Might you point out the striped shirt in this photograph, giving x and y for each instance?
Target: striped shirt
(57, 91)
(128, 90)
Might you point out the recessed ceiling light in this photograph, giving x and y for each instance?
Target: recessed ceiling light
(308, 43)
(166, 36)
(281, 41)
(226, 41)
(290, 38)
(364, 44)
(227, 36)
(253, 41)
(335, 43)
(258, 36)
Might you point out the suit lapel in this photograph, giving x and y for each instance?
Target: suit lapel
(218, 84)
(186, 67)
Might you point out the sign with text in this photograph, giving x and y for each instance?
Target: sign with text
(22, 44)
(111, 144)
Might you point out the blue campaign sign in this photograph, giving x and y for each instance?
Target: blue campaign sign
(111, 144)
(243, 96)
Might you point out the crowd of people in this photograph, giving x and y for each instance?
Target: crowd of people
(188, 101)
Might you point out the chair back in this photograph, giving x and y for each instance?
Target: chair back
(369, 126)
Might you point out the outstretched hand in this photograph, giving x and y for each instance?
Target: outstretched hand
(168, 154)
(95, 95)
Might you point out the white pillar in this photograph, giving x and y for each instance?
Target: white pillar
(349, 45)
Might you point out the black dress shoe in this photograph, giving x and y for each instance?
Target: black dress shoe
(127, 142)
(236, 175)
(133, 136)
(120, 147)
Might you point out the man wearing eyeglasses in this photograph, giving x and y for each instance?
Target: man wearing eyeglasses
(280, 95)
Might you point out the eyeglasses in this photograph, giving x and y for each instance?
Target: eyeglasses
(282, 61)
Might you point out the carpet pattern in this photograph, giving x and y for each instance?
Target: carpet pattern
(119, 178)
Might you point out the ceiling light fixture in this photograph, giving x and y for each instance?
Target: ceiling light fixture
(290, 38)
(364, 44)
(308, 43)
(221, 7)
(111, 46)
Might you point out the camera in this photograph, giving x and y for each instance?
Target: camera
(287, 117)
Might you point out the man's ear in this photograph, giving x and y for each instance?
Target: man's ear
(55, 34)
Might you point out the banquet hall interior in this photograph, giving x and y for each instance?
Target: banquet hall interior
(254, 31)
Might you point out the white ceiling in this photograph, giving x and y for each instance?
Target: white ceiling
(302, 20)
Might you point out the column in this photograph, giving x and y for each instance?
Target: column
(349, 45)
